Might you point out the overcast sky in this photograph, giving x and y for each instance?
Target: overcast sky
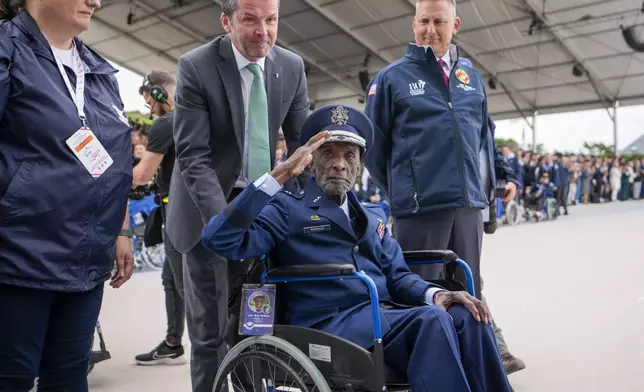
(562, 132)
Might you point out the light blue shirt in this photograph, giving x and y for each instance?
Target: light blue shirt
(270, 186)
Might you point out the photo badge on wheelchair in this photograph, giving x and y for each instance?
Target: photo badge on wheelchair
(257, 309)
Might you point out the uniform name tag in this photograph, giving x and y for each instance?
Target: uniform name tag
(257, 309)
(316, 229)
(89, 150)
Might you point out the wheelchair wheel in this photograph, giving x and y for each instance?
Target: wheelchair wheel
(512, 213)
(268, 363)
(551, 209)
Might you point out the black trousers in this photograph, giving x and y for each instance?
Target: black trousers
(46, 334)
(562, 197)
(459, 230)
(172, 280)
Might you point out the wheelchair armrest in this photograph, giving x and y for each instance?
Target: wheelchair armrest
(306, 270)
(426, 255)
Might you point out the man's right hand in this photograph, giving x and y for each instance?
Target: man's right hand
(300, 159)
(445, 299)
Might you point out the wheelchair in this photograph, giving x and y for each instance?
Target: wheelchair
(313, 360)
(509, 213)
(548, 211)
(144, 256)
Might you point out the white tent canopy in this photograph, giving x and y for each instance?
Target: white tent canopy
(528, 48)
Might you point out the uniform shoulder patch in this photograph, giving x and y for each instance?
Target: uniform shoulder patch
(297, 195)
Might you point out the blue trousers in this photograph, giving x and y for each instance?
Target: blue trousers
(442, 353)
(48, 335)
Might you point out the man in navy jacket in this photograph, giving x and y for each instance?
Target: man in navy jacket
(430, 116)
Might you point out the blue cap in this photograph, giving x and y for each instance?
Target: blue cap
(346, 124)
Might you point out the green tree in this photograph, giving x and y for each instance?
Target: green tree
(139, 118)
(599, 149)
(506, 142)
(539, 149)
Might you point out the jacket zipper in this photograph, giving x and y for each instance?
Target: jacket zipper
(413, 177)
(457, 137)
(92, 222)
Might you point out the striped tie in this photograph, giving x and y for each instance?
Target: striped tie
(442, 63)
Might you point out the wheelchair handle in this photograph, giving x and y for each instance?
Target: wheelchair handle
(424, 257)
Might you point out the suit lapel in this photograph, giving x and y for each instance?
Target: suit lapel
(273, 77)
(231, 79)
(315, 199)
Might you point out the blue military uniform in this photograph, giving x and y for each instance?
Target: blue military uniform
(436, 351)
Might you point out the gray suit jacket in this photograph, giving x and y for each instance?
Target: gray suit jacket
(209, 130)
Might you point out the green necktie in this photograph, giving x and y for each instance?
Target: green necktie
(259, 151)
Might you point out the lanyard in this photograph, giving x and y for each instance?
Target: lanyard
(78, 95)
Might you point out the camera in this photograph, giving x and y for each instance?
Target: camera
(499, 189)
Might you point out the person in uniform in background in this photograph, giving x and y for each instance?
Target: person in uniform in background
(158, 92)
(562, 182)
(516, 163)
(65, 175)
(440, 339)
(431, 178)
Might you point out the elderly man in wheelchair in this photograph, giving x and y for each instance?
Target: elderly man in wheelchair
(356, 317)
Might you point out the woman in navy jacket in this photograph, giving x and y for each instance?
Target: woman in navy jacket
(65, 173)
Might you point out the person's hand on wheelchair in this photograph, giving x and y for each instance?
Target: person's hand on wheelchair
(300, 159)
(445, 299)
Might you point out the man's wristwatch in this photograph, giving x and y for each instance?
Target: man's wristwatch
(126, 233)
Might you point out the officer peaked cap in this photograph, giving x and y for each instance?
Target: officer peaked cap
(346, 124)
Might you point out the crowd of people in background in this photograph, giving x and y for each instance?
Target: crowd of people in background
(139, 138)
(584, 178)
(575, 178)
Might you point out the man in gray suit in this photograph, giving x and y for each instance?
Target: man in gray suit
(232, 96)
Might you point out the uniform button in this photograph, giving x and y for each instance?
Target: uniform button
(356, 248)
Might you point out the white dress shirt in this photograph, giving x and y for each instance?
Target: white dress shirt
(246, 85)
(447, 58)
(270, 186)
(447, 68)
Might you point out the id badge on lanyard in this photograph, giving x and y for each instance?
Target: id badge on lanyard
(83, 143)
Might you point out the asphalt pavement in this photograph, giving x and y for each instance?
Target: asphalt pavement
(568, 295)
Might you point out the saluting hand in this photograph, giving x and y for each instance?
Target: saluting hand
(445, 299)
(301, 158)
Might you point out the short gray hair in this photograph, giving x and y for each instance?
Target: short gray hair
(228, 7)
(452, 2)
